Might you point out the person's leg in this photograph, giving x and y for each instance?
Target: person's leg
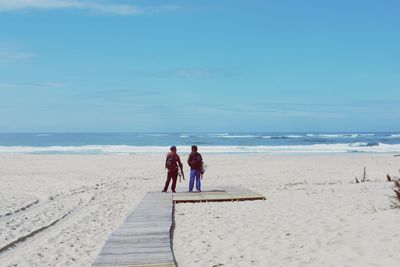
(191, 181)
(167, 182)
(198, 180)
(174, 179)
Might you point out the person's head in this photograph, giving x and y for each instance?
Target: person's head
(173, 149)
(194, 148)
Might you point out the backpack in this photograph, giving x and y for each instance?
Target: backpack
(196, 161)
(170, 162)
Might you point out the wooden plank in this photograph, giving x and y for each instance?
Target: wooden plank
(139, 231)
(144, 240)
(139, 258)
(134, 250)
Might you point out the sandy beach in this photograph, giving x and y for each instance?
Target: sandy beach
(58, 210)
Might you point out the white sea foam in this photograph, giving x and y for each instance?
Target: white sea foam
(363, 144)
(228, 135)
(238, 136)
(344, 135)
(281, 136)
(328, 135)
(124, 149)
(156, 134)
(357, 135)
(218, 134)
(331, 135)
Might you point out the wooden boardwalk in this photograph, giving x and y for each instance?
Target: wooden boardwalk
(145, 238)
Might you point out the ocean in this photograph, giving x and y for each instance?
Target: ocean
(220, 143)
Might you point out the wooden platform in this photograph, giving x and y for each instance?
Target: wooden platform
(232, 193)
(145, 238)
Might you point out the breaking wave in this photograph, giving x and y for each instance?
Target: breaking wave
(125, 149)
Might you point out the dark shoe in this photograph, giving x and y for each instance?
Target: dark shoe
(173, 191)
(164, 191)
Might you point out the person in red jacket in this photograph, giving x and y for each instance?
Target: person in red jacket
(195, 162)
(172, 163)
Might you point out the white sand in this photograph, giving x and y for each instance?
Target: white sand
(314, 215)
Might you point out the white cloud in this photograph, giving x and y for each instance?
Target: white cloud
(200, 73)
(11, 56)
(34, 85)
(7, 85)
(204, 73)
(188, 73)
(95, 6)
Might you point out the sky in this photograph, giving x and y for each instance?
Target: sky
(199, 65)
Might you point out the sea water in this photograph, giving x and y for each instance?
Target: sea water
(236, 143)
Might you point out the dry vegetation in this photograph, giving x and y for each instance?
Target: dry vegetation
(389, 178)
(364, 177)
(396, 189)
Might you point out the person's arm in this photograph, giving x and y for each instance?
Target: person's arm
(181, 167)
(189, 160)
(201, 170)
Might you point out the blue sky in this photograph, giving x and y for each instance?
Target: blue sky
(194, 65)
